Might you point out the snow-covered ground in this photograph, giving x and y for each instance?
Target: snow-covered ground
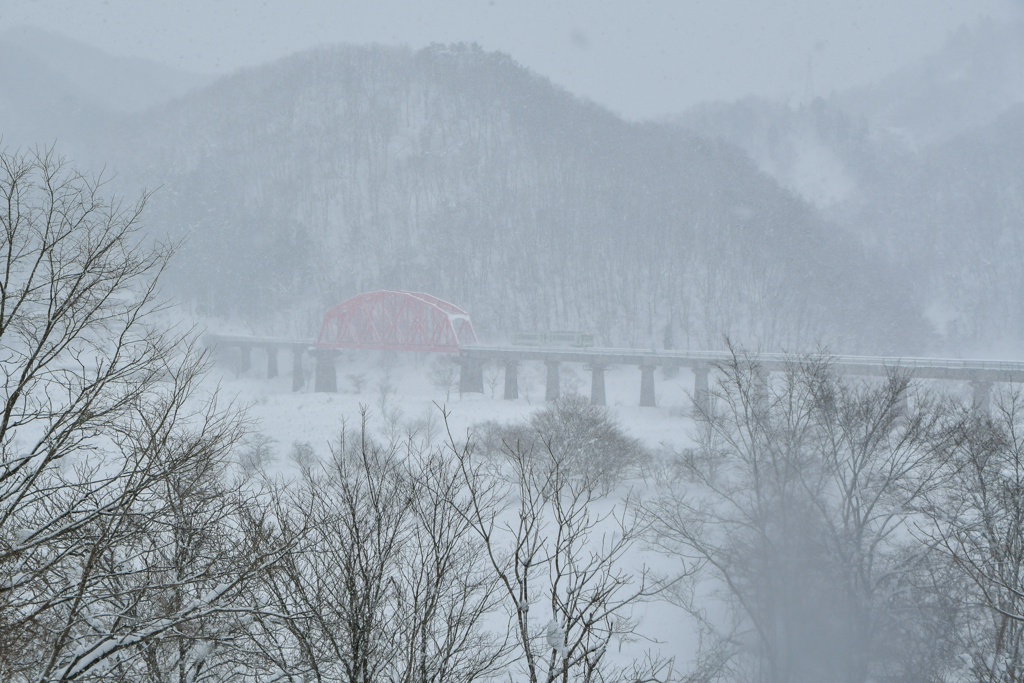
(315, 418)
(401, 396)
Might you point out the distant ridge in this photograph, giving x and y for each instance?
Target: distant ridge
(57, 89)
(121, 84)
(456, 171)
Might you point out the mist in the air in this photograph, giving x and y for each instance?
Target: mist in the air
(512, 340)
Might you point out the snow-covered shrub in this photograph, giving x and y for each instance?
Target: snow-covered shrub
(585, 439)
(357, 380)
(444, 373)
(257, 453)
(303, 454)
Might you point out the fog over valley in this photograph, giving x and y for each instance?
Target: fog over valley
(474, 341)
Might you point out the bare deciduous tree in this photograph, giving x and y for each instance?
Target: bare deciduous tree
(385, 581)
(796, 506)
(559, 563)
(492, 377)
(100, 427)
(976, 521)
(358, 381)
(444, 373)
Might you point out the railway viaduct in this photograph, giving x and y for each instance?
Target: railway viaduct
(410, 321)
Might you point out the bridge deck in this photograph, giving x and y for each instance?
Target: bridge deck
(924, 368)
(258, 342)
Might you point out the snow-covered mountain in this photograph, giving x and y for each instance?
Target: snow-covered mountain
(458, 172)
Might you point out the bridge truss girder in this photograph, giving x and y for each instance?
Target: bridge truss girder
(396, 321)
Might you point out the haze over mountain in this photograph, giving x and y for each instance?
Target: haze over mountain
(56, 89)
(472, 515)
(924, 167)
(456, 171)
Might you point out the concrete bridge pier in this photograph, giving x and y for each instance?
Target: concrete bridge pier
(762, 380)
(597, 384)
(511, 380)
(903, 406)
(701, 394)
(245, 358)
(298, 375)
(471, 376)
(326, 377)
(551, 389)
(271, 362)
(647, 386)
(981, 396)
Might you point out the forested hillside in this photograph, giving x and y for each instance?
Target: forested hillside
(956, 213)
(457, 172)
(932, 188)
(949, 216)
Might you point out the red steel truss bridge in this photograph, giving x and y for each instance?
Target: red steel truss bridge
(396, 321)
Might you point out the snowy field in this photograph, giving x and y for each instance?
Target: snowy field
(404, 379)
(401, 398)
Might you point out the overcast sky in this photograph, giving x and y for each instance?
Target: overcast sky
(640, 58)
